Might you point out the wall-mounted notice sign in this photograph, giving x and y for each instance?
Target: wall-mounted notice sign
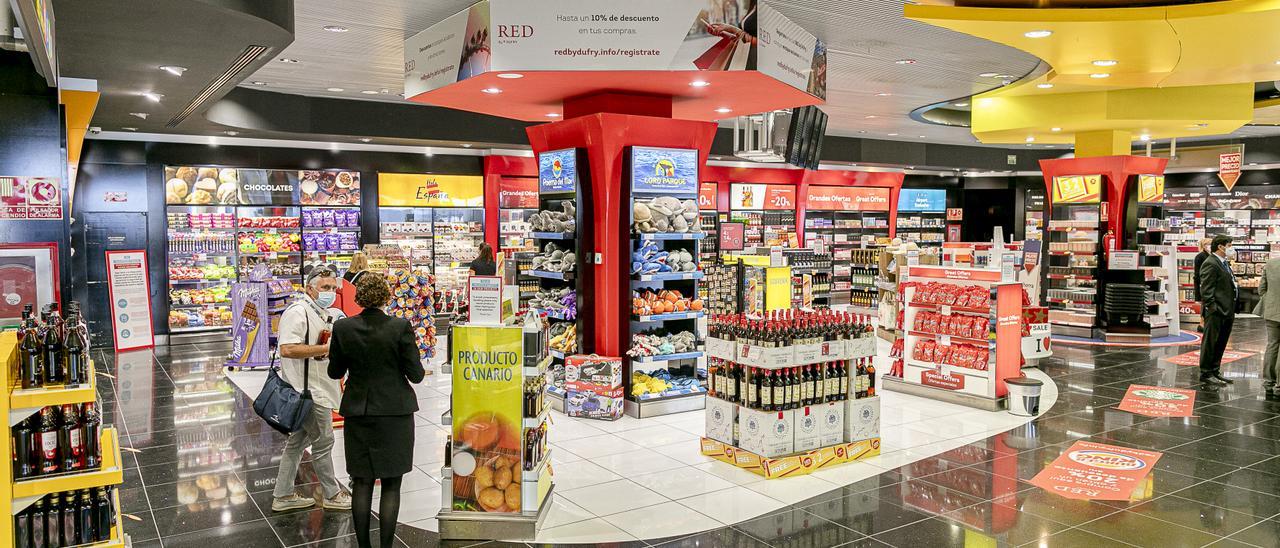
(708, 196)
(485, 298)
(129, 288)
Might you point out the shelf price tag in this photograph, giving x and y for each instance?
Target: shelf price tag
(946, 310)
(944, 339)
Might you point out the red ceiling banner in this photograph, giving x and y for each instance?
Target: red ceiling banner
(518, 193)
(848, 198)
(1096, 471)
(707, 196)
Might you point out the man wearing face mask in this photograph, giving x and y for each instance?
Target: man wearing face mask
(1219, 292)
(304, 344)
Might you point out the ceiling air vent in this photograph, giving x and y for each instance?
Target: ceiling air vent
(227, 78)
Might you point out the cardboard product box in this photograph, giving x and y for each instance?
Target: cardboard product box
(861, 419)
(808, 430)
(593, 401)
(601, 370)
(721, 417)
(830, 423)
(766, 433)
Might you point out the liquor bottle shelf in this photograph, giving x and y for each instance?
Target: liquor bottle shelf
(24, 402)
(110, 474)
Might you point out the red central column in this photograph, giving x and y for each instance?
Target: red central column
(605, 125)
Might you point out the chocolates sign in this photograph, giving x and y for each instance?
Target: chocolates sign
(194, 185)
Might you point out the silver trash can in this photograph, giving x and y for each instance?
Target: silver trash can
(1024, 396)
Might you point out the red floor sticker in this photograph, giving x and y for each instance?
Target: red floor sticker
(1096, 471)
(1158, 401)
(1193, 357)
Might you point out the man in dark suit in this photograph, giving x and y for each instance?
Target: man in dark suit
(1195, 274)
(1218, 291)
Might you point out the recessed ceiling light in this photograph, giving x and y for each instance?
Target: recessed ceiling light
(1144, 137)
(922, 137)
(1038, 34)
(466, 145)
(1100, 75)
(335, 90)
(989, 75)
(961, 104)
(142, 115)
(365, 139)
(232, 133)
(153, 96)
(870, 116)
(1045, 85)
(1031, 139)
(510, 75)
(893, 134)
(699, 83)
(258, 83)
(553, 115)
(723, 110)
(129, 128)
(336, 28)
(369, 91)
(490, 91)
(1105, 63)
(173, 69)
(1055, 129)
(905, 61)
(883, 94)
(287, 60)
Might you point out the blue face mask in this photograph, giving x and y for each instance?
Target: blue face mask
(326, 298)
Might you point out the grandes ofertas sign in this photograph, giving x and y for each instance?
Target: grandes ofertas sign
(1077, 189)
(1096, 471)
(558, 171)
(614, 35)
(932, 200)
(424, 190)
(1151, 189)
(129, 287)
(671, 171)
(518, 193)
(487, 414)
(848, 198)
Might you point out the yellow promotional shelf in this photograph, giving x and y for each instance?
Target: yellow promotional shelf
(35, 398)
(110, 474)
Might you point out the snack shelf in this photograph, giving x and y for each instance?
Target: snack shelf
(966, 371)
(946, 338)
(668, 316)
(948, 308)
(200, 329)
(200, 305)
(197, 282)
(270, 254)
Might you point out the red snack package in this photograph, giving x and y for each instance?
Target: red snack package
(984, 357)
(981, 327)
(942, 354)
(922, 351)
(981, 298)
(963, 356)
(931, 324)
(957, 326)
(922, 317)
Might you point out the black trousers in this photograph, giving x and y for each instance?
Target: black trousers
(1217, 330)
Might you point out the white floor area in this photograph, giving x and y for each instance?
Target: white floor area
(639, 479)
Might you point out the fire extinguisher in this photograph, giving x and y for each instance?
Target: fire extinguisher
(1108, 243)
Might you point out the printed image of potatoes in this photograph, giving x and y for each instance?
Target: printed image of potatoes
(498, 483)
(495, 484)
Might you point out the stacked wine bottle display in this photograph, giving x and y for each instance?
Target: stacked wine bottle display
(57, 440)
(69, 518)
(53, 351)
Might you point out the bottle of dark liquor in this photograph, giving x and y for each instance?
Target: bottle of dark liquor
(740, 378)
(70, 439)
(779, 390)
(103, 519)
(732, 379)
(51, 340)
(69, 519)
(22, 529)
(753, 389)
(47, 441)
(39, 525)
(26, 455)
(842, 373)
(871, 377)
(815, 388)
(30, 352)
(92, 434)
(75, 349)
(85, 518)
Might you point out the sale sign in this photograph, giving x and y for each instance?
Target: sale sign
(1229, 168)
(847, 198)
(780, 197)
(707, 195)
(1096, 471)
(1158, 401)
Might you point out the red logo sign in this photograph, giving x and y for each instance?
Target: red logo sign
(1158, 401)
(515, 31)
(1096, 471)
(1229, 168)
(848, 198)
(938, 379)
(955, 214)
(707, 194)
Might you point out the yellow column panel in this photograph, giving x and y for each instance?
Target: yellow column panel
(1107, 142)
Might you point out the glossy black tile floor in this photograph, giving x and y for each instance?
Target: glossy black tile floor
(202, 467)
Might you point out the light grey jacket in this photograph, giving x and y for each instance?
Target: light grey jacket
(1269, 291)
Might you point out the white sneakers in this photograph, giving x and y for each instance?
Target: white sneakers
(340, 501)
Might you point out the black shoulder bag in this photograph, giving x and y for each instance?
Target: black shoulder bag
(279, 403)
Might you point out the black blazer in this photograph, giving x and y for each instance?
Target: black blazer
(1217, 291)
(1200, 257)
(380, 356)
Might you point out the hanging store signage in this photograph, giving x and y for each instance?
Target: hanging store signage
(672, 171)
(518, 193)
(487, 416)
(30, 198)
(1096, 471)
(746, 196)
(1185, 200)
(848, 198)
(1077, 189)
(1158, 401)
(195, 185)
(421, 190)
(614, 35)
(128, 285)
(1244, 197)
(1151, 189)
(929, 200)
(1229, 168)
(708, 196)
(558, 171)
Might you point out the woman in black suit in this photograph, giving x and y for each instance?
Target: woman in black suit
(379, 356)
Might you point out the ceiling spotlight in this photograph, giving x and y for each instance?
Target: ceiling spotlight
(369, 91)
(1031, 139)
(1055, 129)
(883, 94)
(426, 151)
(510, 75)
(1144, 137)
(365, 139)
(232, 133)
(989, 75)
(1253, 163)
(724, 110)
(258, 83)
(699, 83)
(922, 137)
(553, 115)
(153, 96)
(1038, 34)
(142, 115)
(288, 60)
(335, 90)
(961, 104)
(1105, 63)
(336, 28)
(1100, 75)
(129, 128)
(466, 145)
(905, 61)
(173, 69)
(893, 134)
(1045, 85)
(490, 91)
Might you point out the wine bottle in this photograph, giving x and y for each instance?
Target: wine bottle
(48, 441)
(51, 341)
(70, 441)
(30, 352)
(85, 518)
(26, 455)
(92, 436)
(69, 518)
(39, 525)
(103, 519)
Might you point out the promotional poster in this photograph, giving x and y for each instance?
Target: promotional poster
(1096, 471)
(671, 171)
(423, 190)
(1077, 189)
(848, 198)
(195, 185)
(558, 171)
(249, 326)
(1158, 401)
(487, 416)
(130, 299)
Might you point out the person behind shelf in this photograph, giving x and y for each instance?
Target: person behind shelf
(301, 348)
(1269, 308)
(1219, 291)
(379, 356)
(347, 288)
(1199, 260)
(484, 264)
